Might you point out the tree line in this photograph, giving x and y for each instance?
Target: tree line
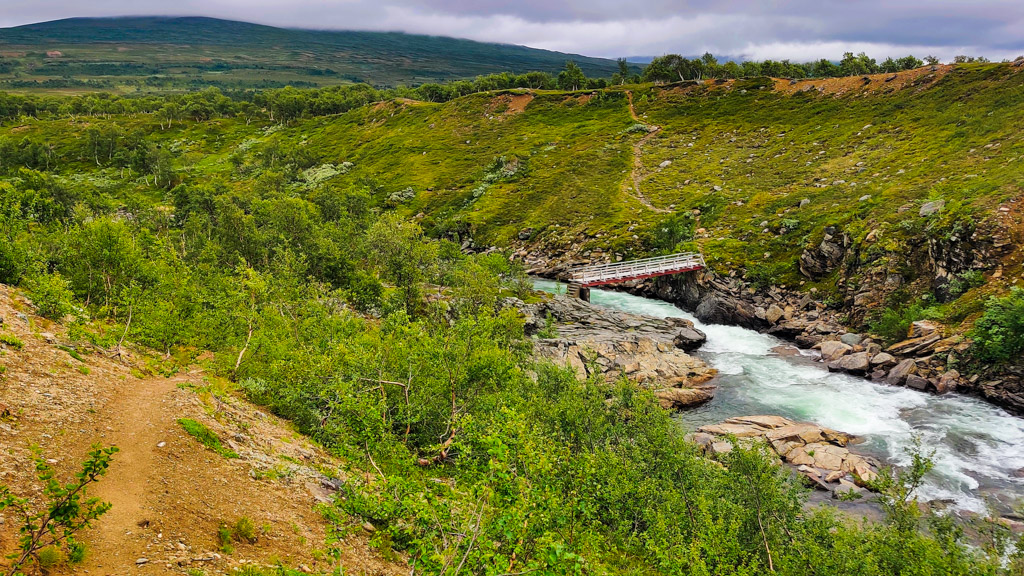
(289, 103)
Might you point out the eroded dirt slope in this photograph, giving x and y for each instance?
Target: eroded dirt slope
(169, 493)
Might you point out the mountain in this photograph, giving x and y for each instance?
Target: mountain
(188, 52)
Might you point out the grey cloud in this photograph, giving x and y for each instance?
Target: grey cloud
(798, 29)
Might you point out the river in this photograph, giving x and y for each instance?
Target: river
(979, 448)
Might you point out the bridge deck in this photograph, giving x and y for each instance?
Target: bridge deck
(599, 274)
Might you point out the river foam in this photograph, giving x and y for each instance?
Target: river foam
(978, 448)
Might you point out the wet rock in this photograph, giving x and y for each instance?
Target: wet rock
(832, 350)
(916, 382)
(898, 375)
(947, 382)
(858, 363)
(689, 339)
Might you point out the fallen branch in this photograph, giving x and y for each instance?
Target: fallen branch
(375, 467)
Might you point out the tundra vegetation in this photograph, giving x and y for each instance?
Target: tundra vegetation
(312, 240)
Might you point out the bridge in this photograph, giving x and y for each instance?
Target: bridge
(585, 277)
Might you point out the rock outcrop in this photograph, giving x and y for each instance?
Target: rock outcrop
(821, 260)
(819, 454)
(649, 351)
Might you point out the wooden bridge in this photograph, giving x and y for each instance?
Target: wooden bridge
(600, 274)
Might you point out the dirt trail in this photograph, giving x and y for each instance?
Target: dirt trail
(170, 493)
(137, 422)
(638, 173)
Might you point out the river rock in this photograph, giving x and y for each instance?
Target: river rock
(851, 339)
(916, 382)
(898, 375)
(858, 363)
(832, 350)
(947, 382)
(821, 454)
(689, 339)
(676, 398)
(883, 359)
(773, 314)
(919, 345)
(646, 350)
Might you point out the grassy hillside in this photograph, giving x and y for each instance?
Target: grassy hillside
(148, 54)
(724, 166)
(314, 260)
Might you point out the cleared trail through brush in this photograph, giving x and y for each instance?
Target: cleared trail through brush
(638, 174)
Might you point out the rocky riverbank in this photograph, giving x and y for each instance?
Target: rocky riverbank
(649, 351)
(821, 455)
(929, 359)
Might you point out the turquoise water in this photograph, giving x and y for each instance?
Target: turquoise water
(978, 447)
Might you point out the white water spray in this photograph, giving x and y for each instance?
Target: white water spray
(979, 448)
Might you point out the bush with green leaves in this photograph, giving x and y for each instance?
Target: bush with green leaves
(52, 295)
(893, 322)
(999, 333)
(47, 530)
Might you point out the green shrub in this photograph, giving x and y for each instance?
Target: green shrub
(12, 340)
(206, 437)
(243, 530)
(50, 558)
(999, 333)
(549, 330)
(893, 323)
(52, 295)
(964, 281)
(48, 530)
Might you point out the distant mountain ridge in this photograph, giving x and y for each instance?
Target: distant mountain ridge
(156, 46)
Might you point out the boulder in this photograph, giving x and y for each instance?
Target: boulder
(883, 359)
(717, 448)
(832, 350)
(948, 382)
(898, 375)
(773, 314)
(916, 382)
(920, 345)
(847, 489)
(689, 339)
(676, 398)
(809, 448)
(851, 339)
(922, 328)
(858, 363)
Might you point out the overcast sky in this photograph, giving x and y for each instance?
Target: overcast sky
(797, 29)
